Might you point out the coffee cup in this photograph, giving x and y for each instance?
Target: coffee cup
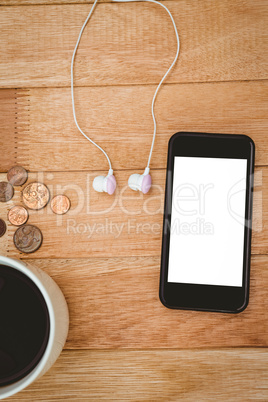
(52, 330)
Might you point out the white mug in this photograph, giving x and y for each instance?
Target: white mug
(59, 323)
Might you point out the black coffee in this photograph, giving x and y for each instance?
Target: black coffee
(24, 325)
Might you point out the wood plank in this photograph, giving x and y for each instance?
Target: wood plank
(127, 223)
(119, 119)
(100, 287)
(114, 303)
(193, 375)
(8, 128)
(133, 43)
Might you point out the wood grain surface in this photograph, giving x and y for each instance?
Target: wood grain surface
(114, 303)
(133, 43)
(119, 119)
(122, 226)
(105, 253)
(170, 375)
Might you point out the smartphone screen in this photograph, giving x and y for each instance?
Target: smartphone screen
(207, 221)
(207, 225)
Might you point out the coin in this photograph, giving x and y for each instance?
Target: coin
(28, 238)
(18, 215)
(17, 175)
(3, 227)
(6, 191)
(35, 195)
(60, 204)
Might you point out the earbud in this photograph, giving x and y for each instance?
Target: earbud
(105, 184)
(140, 182)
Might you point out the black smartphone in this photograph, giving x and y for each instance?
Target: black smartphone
(207, 224)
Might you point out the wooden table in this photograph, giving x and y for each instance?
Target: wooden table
(104, 254)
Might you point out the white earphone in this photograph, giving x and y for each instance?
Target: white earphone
(106, 184)
(137, 182)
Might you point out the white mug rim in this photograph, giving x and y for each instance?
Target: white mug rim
(24, 382)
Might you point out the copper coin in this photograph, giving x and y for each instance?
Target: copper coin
(17, 175)
(3, 227)
(28, 238)
(60, 204)
(35, 195)
(18, 215)
(6, 191)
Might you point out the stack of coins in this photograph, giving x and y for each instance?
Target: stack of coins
(28, 238)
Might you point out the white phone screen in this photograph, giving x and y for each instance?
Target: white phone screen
(207, 221)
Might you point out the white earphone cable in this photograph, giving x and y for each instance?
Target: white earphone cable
(167, 72)
(72, 84)
(156, 91)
